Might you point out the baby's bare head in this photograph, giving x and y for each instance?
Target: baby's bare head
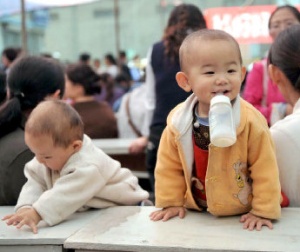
(57, 119)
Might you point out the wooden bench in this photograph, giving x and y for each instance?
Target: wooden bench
(130, 229)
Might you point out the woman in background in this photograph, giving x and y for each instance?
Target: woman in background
(284, 68)
(82, 84)
(111, 66)
(259, 89)
(163, 93)
(30, 81)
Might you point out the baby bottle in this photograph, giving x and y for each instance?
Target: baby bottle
(221, 125)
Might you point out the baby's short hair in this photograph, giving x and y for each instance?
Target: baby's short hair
(206, 35)
(56, 119)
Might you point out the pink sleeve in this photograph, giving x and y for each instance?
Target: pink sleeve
(253, 91)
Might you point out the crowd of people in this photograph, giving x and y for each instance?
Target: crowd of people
(49, 112)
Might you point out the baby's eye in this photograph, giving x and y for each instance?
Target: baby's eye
(231, 71)
(47, 157)
(210, 72)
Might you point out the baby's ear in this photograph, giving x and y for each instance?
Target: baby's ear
(77, 144)
(182, 81)
(244, 71)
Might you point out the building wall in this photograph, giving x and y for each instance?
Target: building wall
(92, 27)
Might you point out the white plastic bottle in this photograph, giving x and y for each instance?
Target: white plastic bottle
(221, 125)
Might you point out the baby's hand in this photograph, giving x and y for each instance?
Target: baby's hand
(24, 216)
(251, 221)
(168, 213)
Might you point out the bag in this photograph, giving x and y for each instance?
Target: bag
(133, 127)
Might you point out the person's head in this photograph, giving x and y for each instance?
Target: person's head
(97, 63)
(122, 57)
(122, 80)
(211, 63)
(81, 80)
(110, 60)
(9, 54)
(281, 18)
(183, 20)
(33, 79)
(46, 55)
(284, 63)
(84, 58)
(54, 132)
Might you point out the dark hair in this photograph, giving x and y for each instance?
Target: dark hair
(285, 54)
(33, 78)
(122, 77)
(84, 75)
(46, 55)
(184, 19)
(291, 8)
(11, 53)
(2, 86)
(30, 80)
(123, 80)
(122, 54)
(84, 57)
(111, 58)
(108, 82)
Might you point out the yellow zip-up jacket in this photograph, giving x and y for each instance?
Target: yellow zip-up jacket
(240, 178)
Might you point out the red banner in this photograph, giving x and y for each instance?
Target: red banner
(248, 24)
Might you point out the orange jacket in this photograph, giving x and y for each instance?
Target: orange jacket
(240, 178)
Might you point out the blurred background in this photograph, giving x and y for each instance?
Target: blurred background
(65, 29)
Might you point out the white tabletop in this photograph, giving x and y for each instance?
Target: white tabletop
(130, 229)
(10, 235)
(113, 145)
